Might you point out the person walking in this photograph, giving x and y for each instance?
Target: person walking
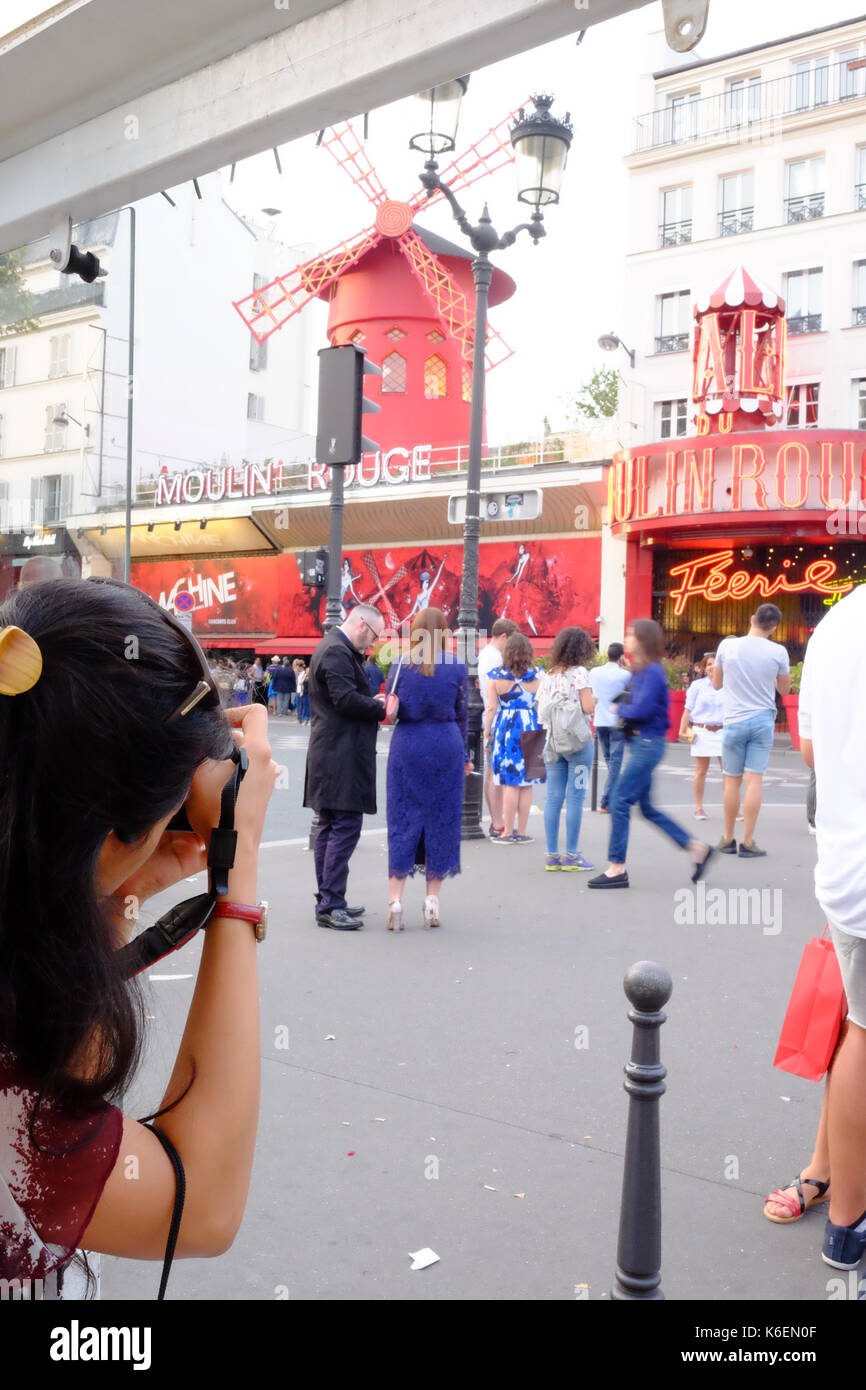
(340, 782)
(241, 684)
(644, 711)
(749, 670)
(427, 765)
(374, 674)
(273, 665)
(259, 687)
(510, 712)
(701, 724)
(490, 657)
(303, 693)
(607, 683)
(565, 705)
(831, 741)
(281, 685)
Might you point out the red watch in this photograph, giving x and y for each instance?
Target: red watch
(243, 912)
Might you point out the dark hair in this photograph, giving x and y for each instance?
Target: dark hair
(650, 638)
(615, 651)
(572, 647)
(503, 627)
(517, 656)
(768, 617)
(87, 750)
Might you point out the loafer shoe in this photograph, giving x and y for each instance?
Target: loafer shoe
(339, 919)
(604, 881)
(844, 1246)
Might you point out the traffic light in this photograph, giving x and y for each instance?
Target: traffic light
(313, 565)
(342, 405)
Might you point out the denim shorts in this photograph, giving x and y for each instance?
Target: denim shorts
(746, 746)
(851, 955)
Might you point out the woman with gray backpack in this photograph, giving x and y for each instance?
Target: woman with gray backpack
(565, 704)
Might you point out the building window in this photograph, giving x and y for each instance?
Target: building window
(858, 314)
(2, 440)
(51, 499)
(357, 337)
(7, 367)
(803, 300)
(860, 185)
(435, 378)
(393, 372)
(4, 507)
(55, 432)
(682, 115)
(852, 71)
(743, 100)
(672, 315)
(435, 336)
(258, 355)
(805, 198)
(672, 418)
(255, 406)
(810, 83)
(801, 406)
(467, 385)
(59, 360)
(395, 334)
(675, 226)
(737, 203)
(860, 393)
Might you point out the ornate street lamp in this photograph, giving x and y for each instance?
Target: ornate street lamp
(437, 113)
(609, 342)
(541, 142)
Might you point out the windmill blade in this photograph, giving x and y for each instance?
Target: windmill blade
(452, 307)
(493, 151)
(272, 305)
(344, 146)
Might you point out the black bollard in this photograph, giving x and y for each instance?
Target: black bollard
(648, 987)
(595, 773)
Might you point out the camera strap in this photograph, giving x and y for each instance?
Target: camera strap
(180, 923)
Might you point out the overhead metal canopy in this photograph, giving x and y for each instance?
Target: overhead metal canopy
(104, 102)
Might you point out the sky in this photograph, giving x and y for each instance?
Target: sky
(569, 287)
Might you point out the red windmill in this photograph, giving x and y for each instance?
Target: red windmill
(403, 293)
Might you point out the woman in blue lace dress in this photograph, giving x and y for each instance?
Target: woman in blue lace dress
(511, 692)
(426, 766)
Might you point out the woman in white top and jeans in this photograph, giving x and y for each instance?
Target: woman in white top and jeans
(567, 771)
(703, 713)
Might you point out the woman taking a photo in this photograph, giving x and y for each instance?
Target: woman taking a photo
(101, 745)
(701, 724)
(427, 764)
(565, 705)
(510, 712)
(643, 708)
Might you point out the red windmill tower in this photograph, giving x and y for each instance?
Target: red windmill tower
(738, 355)
(403, 293)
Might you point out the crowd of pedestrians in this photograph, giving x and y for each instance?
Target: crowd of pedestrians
(281, 686)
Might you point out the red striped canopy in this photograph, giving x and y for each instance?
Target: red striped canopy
(740, 290)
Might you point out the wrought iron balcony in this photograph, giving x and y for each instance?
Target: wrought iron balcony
(858, 316)
(675, 233)
(672, 342)
(804, 208)
(736, 221)
(73, 294)
(738, 113)
(804, 323)
(860, 196)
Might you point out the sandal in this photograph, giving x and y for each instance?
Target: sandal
(797, 1206)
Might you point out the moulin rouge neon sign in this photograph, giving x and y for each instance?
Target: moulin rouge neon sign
(710, 577)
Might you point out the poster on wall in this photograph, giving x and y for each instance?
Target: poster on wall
(543, 585)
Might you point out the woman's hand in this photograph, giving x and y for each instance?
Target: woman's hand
(178, 855)
(468, 767)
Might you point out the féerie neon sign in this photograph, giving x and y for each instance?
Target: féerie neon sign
(710, 577)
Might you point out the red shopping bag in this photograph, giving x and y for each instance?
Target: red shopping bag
(815, 1012)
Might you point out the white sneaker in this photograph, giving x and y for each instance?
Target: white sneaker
(431, 912)
(395, 916)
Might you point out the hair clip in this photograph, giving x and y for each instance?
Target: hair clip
(20, 661)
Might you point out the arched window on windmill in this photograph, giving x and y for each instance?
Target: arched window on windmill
(393, 372)
(467, 384)
(435, 378)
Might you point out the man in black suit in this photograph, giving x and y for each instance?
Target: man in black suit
(341, 758)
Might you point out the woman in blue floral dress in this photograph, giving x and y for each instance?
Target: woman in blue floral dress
(427, 763)
(511, 712)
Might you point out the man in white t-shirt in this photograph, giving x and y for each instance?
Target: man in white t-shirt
(488, 659)
(831, 739)
(749, 670)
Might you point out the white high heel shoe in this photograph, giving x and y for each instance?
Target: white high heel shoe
(395, 915)
(431, 912)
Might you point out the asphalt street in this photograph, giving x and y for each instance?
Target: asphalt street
(462, 1089)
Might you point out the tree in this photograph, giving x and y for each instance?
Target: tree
(598, 398)
(16, 301)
